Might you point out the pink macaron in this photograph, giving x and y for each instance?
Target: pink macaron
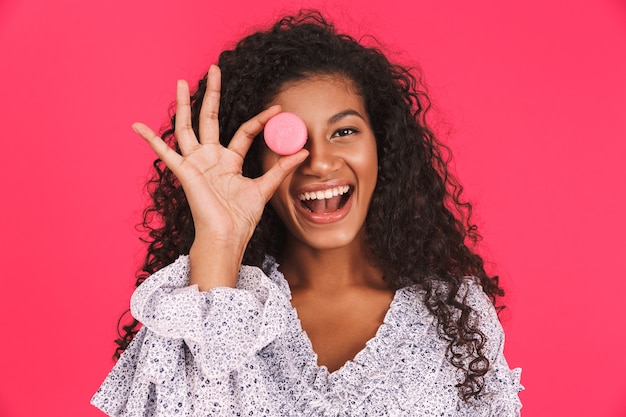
(285, 133)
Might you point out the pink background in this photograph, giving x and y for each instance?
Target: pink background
(532, 96)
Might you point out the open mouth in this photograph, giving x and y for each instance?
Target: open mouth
(326, 201)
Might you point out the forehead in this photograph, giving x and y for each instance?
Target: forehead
(319, 93)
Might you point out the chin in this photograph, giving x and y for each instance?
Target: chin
(325, 238)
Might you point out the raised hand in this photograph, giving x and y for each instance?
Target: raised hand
(226, 206)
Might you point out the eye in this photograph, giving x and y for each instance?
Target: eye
(345, 131)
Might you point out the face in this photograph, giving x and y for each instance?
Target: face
(325, 201)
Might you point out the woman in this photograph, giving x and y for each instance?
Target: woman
(335, 281)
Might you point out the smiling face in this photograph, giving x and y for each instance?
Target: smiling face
(325, 201)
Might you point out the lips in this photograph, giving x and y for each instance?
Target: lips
(325, 204)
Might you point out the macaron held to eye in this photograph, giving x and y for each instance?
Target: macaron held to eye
(285, 133)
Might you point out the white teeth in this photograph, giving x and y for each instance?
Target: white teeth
(326, 194)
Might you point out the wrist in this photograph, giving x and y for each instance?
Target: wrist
(214, 264)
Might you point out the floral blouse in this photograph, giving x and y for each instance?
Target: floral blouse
(242, 352)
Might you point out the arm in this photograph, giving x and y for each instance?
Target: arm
(190, 337)
(226, 206)
(221, 327)
(209, 327)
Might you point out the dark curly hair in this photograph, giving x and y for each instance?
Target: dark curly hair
(418, 227)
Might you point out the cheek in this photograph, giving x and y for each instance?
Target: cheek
(368, 165)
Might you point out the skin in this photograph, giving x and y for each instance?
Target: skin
(211, 176)
(340, 296)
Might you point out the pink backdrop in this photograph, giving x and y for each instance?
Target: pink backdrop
(532, 95)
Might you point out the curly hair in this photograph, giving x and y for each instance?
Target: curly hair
(424, 238)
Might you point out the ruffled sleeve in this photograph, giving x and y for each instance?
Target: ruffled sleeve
(500, 395)
(184, 329)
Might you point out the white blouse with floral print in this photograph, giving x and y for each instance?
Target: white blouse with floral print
(242, 352)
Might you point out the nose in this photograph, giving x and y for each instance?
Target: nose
(322, 159)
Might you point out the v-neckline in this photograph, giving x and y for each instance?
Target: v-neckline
(312, 355)
(396, 353)
(386, 333)
(357, 358)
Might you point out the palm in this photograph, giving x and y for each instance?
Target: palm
(221, 198)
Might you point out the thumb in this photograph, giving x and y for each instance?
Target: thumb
(269, 182)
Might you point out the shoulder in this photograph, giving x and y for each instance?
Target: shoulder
(470, 293)
(475, 303)
(483, 315)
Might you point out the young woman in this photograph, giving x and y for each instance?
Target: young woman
(339, 280)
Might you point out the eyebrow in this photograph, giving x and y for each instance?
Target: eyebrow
(337, 117)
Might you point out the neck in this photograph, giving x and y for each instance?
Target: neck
(330, 270)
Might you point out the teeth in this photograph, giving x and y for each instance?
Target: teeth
(326, 194)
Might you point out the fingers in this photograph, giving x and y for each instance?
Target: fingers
(185, 135)
(163, 151)
(244, 136)
(269, 182)
(209, 123)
